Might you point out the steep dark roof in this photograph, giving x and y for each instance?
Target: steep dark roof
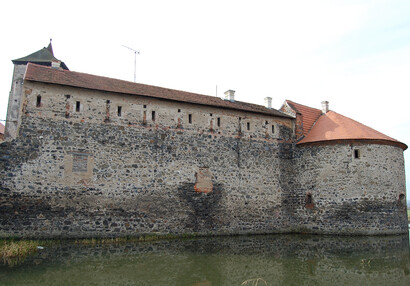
(45, 57)
(75, 79)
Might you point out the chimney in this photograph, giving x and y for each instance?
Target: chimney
(55, 64)
(325, 107)
(230, 95)
(268, 102)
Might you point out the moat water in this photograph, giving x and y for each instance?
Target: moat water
(274, 259)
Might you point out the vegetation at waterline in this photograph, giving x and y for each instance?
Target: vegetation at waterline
(15, 251)
(254, 282)
(141, 238)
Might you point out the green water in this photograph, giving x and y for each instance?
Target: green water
(277, 259)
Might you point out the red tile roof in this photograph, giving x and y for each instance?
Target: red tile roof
(336, 127)
(309, 115)
(44, 74)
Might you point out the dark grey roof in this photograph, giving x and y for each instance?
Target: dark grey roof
(44, 57)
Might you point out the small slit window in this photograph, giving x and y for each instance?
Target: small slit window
(119, 111)
(309, 201)
(401, 197)
(356, 153)
(248, 126)
(179, 110)
(190, 118)
(218, 121)
(145, 106)
(38, 102)
(77, 106)
(402, 201)
(273, 129)
(153, 115)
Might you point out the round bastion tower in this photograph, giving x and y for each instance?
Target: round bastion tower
(351, 177)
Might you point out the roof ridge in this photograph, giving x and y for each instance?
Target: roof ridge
(292, 102)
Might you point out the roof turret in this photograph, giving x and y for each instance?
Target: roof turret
(44, 57)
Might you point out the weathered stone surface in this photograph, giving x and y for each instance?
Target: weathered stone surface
(79, 167)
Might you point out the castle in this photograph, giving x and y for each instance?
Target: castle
(89, 156)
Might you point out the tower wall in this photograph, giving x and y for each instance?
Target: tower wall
(15, 101)
(351, 189)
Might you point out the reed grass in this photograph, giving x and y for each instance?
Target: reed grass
(254, 282)
(14, 251)
(126, 239)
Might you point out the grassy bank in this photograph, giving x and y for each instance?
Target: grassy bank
(13, 251)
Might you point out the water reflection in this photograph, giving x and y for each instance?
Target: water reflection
(277, 259)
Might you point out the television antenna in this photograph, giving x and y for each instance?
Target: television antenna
(135, 61)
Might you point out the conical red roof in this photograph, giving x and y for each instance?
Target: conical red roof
(336, 127)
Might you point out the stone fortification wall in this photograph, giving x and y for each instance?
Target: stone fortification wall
(87, 163)
(78, 176)
(351, 188)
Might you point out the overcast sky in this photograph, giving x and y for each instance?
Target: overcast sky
(355, 54)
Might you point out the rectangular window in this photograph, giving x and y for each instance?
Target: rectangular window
(218, 121)
(190, 118)
(153, 115)
(248, 126)
(145, 106)
(273, 128)
(356, 153)
(38, 103)
(77, 106)
(179, 110)
(119, 111)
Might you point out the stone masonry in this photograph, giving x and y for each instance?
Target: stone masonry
(89, 163)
